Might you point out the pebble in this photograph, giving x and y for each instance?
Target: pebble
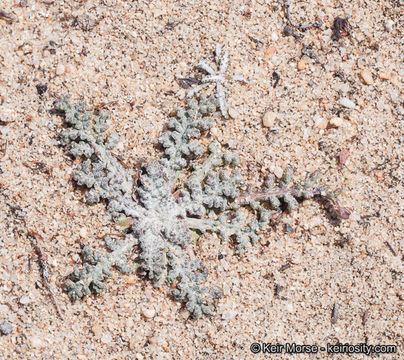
(288, 30)
(269, 50)
(106, 338)
(131, 280)
(96, 330)
(148, 313)
(301, 65)
(83, 232)
(278, 172)
(60, 69)
(226, 290)
(268, 119)
(321, 123)
(25, 300)
(232, 144)
(6, 328)
(289, 307)
(385, 75)
(306, 133)
(337, 122)
(181, 94)
(36, 341)
(184, 314)
(288, 228)
(367, 77)
(345, 102)
(7, 115)
(214, 131)
(233, 113)
(274, 37)
(229, 314)
(388, 26)
(216, 292)
(395, 79)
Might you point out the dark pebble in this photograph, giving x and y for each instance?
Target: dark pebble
(6, 328)
(288, 229)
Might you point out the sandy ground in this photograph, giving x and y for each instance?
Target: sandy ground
(127, 55)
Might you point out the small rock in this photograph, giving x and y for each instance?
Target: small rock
(216, 292)
(341, 28)
(288, 31)
(289, 307)
(60, 69)
(274, 37)
(394, 79)
(214, 131)
(278, 172)
(182, 94)
(385, 75)
(148, 313)
(337, 122)
(6, 328)
(41, 89)
(232, 144)
(4, 309)
(269, 50)
(132, 343)
(83, 232)
(306, 133)
(106, 338)
(229, 314)
(36, 341)
(96, 330)
(7, 115)
(185, 314)
(233, 113)
(345, 102)
(343, 156)
(85, 23)
(367, 77)
(131, 280)
(321, 123)
(25, 300)
(268, 119)
(129, 324)
(288, 228)
(226, 290)
(388, 26)
(301, 65)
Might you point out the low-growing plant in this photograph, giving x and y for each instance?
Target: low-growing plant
(192, 188)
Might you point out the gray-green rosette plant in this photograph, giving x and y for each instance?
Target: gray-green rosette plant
(191, 188)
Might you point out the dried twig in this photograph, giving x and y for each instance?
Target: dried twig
(390, 248)
(276, 77)
(365, 317)
(335, 313)
(6, 16)
(301, 27)
(309, 51)
(216, 75)
(186, 83)
(43, 266)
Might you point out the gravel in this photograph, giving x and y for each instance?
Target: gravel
(6, 328)
(128, 64)
(345, 102)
